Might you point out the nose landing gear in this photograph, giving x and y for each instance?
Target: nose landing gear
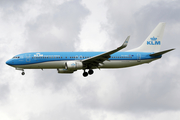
(21, 69)
(23, 73)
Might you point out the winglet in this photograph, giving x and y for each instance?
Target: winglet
(124, 44)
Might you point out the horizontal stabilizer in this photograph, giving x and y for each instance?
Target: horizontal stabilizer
(160, 53)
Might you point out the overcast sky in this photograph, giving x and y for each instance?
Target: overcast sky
(145, 92)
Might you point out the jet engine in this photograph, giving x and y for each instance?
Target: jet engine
(73, 65)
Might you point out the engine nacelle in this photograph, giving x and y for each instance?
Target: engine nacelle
(73, 65)
(65, 71)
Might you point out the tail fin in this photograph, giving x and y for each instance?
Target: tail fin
(153, 41)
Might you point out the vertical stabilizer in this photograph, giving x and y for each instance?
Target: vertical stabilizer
(153, 41)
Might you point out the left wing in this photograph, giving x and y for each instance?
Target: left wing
(96, 60)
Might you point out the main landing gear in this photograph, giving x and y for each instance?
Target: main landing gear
(90, 72)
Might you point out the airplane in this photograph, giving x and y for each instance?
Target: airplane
(69, 62)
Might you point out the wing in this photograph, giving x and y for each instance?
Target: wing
(99, 59)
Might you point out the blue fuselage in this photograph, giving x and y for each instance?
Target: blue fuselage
(45, 57)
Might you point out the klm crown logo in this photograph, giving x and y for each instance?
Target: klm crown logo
(73, 64)
(153, 38)
(38, 55)
(153, 41)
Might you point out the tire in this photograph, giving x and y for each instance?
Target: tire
(90, 72)
(85, 74)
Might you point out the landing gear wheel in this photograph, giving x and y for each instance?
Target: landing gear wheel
(85, 74)
(23, 73)
(90, 72)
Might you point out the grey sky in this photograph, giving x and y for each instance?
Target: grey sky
(147, 92)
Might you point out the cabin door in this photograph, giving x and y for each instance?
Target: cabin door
(28, 57)
(138, 57)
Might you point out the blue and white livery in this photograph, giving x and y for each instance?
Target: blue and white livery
(69, 62)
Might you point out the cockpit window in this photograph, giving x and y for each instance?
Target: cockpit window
(16, 57)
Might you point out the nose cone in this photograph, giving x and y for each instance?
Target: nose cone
(9, 62)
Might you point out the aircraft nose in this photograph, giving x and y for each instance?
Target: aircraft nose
(9, 62)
